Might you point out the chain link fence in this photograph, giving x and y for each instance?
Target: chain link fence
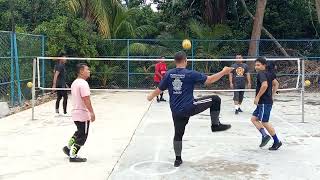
(16, 53)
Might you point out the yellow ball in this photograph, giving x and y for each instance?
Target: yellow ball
(307, 83)
(29, 84)
(186, 44)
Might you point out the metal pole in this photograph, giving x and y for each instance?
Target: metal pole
(12, 71)
(17, 67)
(43, 78)
(128, 62)
(33, 86)
(302, 90)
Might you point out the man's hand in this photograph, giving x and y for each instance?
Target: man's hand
(231, 86)
(227, 70)
(53, 87)
(256, 100)
(149, 97)
(93, 117)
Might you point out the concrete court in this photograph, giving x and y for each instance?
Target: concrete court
(132, 139)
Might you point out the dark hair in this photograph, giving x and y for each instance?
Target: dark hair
(261, 60)
(180, 56)
(80, 67)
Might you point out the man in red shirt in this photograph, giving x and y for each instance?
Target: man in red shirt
(160, 71)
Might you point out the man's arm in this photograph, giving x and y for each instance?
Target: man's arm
(153, 94)
(55, 77)
(249, 80)
(87, 102)
(215, 77)
(263, 88)
(231, 80)
(275, 86)
(157, 73)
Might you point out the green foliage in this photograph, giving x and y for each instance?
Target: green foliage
(73, 36)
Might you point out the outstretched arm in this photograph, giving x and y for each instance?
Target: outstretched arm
(215, 77)
(153, 94)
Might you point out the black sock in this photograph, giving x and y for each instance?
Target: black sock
(178, 158)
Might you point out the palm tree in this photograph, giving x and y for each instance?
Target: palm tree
(97, 11)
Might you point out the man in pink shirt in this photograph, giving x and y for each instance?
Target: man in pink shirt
(82, 113)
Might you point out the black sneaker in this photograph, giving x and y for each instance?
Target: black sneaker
(77, 159)
(240, 110)
(265, 140)
(177, 163)
(161, 99)
(158, 100)
(275, 146)
(236, 111)
(66, 150)
(220, 127)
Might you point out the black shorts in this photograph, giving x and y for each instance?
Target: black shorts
(238, 95)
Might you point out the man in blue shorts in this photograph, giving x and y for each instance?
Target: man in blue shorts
(180, 83)
(266, 88)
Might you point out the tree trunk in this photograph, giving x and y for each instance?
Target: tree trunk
(214, 11)
(257, 26)
(318, 9)
(266, 31)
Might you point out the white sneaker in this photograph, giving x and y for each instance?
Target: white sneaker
(65, 115)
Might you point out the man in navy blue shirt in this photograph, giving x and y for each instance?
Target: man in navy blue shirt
(180, 83)
(266, 88)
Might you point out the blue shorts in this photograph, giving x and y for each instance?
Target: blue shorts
(262, 112)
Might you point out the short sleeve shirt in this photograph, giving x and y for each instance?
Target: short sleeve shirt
(266, 98)
(180, 83)
(79, 89)
(61, 80)
(238, 74)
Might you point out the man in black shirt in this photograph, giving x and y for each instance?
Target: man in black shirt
(59, 81)
(266, 88)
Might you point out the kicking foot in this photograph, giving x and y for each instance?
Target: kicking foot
(240, 110)
(275, 146)
(265, 140)
(177, 163)
(220, 127)
(66, 150)
(77, 159)
(161, 99)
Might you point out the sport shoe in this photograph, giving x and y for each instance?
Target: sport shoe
(265, 140)
(66, 150)
(220, 127)
(236, 111)
(275, 146)
(65, 115)
(240, 110)
(158, 100)
(77, 159)
(177, 163)
(161, 99)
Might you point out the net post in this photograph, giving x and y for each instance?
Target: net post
(33, 86)
(302, 89)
